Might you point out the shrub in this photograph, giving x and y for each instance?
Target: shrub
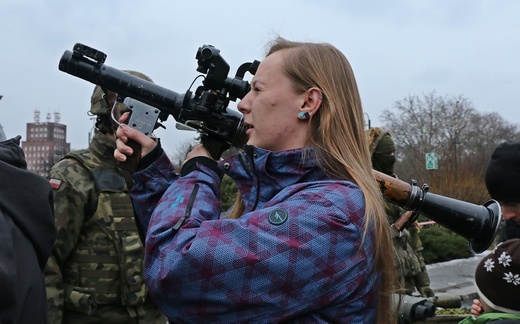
(441, 244)
(228, 192)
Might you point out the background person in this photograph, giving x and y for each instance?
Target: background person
(497, 279)
(308, 240)
(95, 273)
(503, 184)
(27, 234)
(410, 265)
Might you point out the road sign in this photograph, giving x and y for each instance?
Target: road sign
(431, 161)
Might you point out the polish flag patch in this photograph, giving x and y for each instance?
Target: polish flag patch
(55, 183)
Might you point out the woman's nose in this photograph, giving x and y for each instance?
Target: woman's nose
(243, 104)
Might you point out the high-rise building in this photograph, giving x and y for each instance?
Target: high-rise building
(45, 144)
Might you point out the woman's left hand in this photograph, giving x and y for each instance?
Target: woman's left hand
(198, 150)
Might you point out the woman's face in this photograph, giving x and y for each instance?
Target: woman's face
(271, 108)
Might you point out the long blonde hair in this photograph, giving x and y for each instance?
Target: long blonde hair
(338, 135)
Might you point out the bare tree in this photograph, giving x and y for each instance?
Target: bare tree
(228, 189)
(181, 150)
(49, 161)
(449, 126)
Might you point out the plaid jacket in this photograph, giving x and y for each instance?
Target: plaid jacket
(296, 253)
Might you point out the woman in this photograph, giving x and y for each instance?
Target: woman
(307, 240)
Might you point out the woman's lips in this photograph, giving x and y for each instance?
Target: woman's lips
(249, 128)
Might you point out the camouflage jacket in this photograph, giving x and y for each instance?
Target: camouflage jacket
(98, 255)
(407, 262)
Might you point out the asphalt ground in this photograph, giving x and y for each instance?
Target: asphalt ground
(455, 277)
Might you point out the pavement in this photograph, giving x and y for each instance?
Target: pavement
(455, 277)
(454, 287)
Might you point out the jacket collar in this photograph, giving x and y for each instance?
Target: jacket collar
(261, 174)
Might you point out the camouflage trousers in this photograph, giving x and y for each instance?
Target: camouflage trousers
(147, 313)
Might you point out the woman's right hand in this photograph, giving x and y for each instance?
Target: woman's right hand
(125, 133)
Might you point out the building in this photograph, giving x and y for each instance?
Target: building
(45, 144)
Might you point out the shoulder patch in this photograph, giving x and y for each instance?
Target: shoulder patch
(278, 216)
(55, 183)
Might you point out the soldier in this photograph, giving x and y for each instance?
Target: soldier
(95, 272)
(408, 259)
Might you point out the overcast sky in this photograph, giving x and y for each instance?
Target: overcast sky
(397, 48)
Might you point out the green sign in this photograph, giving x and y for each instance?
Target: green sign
(431, 161)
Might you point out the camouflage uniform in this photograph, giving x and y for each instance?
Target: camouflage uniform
(95, 272)
(410, 266)
(422, 280)
(405, 259)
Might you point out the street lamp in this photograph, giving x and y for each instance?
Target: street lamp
(456, 142)
(368, 120)
(2, 134)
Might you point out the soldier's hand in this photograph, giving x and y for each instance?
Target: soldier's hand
(426, 291)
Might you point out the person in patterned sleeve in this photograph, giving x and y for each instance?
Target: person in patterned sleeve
(307, 239)
(95, 273)
(497, 279)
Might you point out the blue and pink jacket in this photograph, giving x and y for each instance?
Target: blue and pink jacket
(295, 254)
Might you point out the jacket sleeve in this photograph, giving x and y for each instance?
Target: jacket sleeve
(149, 186)
(72, 189)
(236, 266)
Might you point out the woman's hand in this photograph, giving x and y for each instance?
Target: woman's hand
(125, 133)
(198, 150)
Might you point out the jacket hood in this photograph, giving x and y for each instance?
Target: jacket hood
(11, 153)
(27, 199)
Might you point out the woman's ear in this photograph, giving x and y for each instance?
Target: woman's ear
(312, 101)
